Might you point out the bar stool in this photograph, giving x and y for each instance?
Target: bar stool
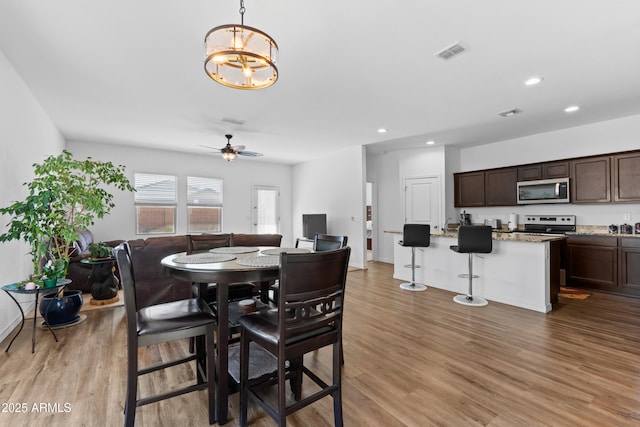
(472, 239)
(415, 236)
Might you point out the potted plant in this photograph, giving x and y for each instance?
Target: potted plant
(100, 250)
(65, 197)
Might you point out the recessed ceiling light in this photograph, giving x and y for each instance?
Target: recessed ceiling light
(571, 109)
(533, 81)
(382, 130)
(430, 142)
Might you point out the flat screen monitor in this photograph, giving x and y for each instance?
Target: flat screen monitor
(314, 223)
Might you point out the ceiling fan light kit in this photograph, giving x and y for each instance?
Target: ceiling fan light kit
(241, 57)
(229, 152)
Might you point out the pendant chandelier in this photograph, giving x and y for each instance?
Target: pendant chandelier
(241, 57)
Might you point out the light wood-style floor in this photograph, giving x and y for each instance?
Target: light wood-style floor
(412, 359)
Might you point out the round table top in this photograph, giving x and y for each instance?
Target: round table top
(19, 287)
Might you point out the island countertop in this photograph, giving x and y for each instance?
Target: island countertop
(497, 235)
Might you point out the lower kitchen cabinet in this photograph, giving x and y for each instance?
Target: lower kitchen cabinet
(630, 266)
(604, 263)
(592, 262)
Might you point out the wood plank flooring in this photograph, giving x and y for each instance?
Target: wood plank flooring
(412, 359)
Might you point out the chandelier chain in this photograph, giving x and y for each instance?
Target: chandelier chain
(242, 10)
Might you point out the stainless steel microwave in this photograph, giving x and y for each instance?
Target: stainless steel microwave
(543, 191)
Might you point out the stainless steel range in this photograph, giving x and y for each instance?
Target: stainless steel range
(549, 224)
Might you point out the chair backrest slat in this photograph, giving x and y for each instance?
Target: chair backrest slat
(326, 242)
(204, 242)
(311, 290)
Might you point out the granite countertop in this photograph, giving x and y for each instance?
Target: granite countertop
(502, 236)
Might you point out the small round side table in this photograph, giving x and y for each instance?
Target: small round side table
(18, 288)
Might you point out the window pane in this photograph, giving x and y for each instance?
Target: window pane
(205, 219)
(155, 219)
(204, 191)
(152, 188)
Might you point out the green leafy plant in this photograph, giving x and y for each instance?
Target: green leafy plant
(100, 250)
(65, 197)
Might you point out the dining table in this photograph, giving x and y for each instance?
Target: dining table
(224, 266)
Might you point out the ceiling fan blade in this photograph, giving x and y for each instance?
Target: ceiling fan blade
(210, 148)
(249, 153)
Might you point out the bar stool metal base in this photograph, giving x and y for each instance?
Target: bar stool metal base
(413, 287)
(470, 300)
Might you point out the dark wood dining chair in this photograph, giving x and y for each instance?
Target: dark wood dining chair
(198, 243)
(203, 242)
(165, 322)
(309, 317)
(327, 242)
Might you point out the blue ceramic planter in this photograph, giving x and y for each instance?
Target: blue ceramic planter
(58, 311)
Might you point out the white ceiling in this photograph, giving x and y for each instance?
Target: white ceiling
(131, 72)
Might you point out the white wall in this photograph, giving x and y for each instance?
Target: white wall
(389, 170)
(27, 136)
(596, 138)
(335, 185)
(239, 177)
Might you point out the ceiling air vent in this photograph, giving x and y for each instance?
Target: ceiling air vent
(453, 50)
(510, 113)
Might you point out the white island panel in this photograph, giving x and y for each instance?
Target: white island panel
(516, 272)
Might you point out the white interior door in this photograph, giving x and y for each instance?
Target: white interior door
(266, 209)
(422, 201)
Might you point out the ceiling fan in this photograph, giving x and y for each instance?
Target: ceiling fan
(229, 152)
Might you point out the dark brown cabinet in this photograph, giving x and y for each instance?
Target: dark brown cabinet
(500, 187)
(469, 189)
(591, 180)
(530, 172)
(547, 170)
(611, 178)
(592, 262)
(555, 170)
(629, 266)
(605, 263)
(625, 169)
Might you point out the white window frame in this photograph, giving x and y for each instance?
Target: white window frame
(164, 198)
(210, 200)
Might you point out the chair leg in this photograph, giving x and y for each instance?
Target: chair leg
(337, 375)
(295, 365)
(282, 393)
(244, 378)
(132, 385)
(211, 373)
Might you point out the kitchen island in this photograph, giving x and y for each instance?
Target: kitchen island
(522, 270)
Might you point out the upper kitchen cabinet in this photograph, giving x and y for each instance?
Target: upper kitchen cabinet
(548, 170)
(500, 187)
(493, 187)
(591, 180)
(625, 169)
(469, 189)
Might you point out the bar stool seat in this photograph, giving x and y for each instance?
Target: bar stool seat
(415, 236)
(472, 239)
